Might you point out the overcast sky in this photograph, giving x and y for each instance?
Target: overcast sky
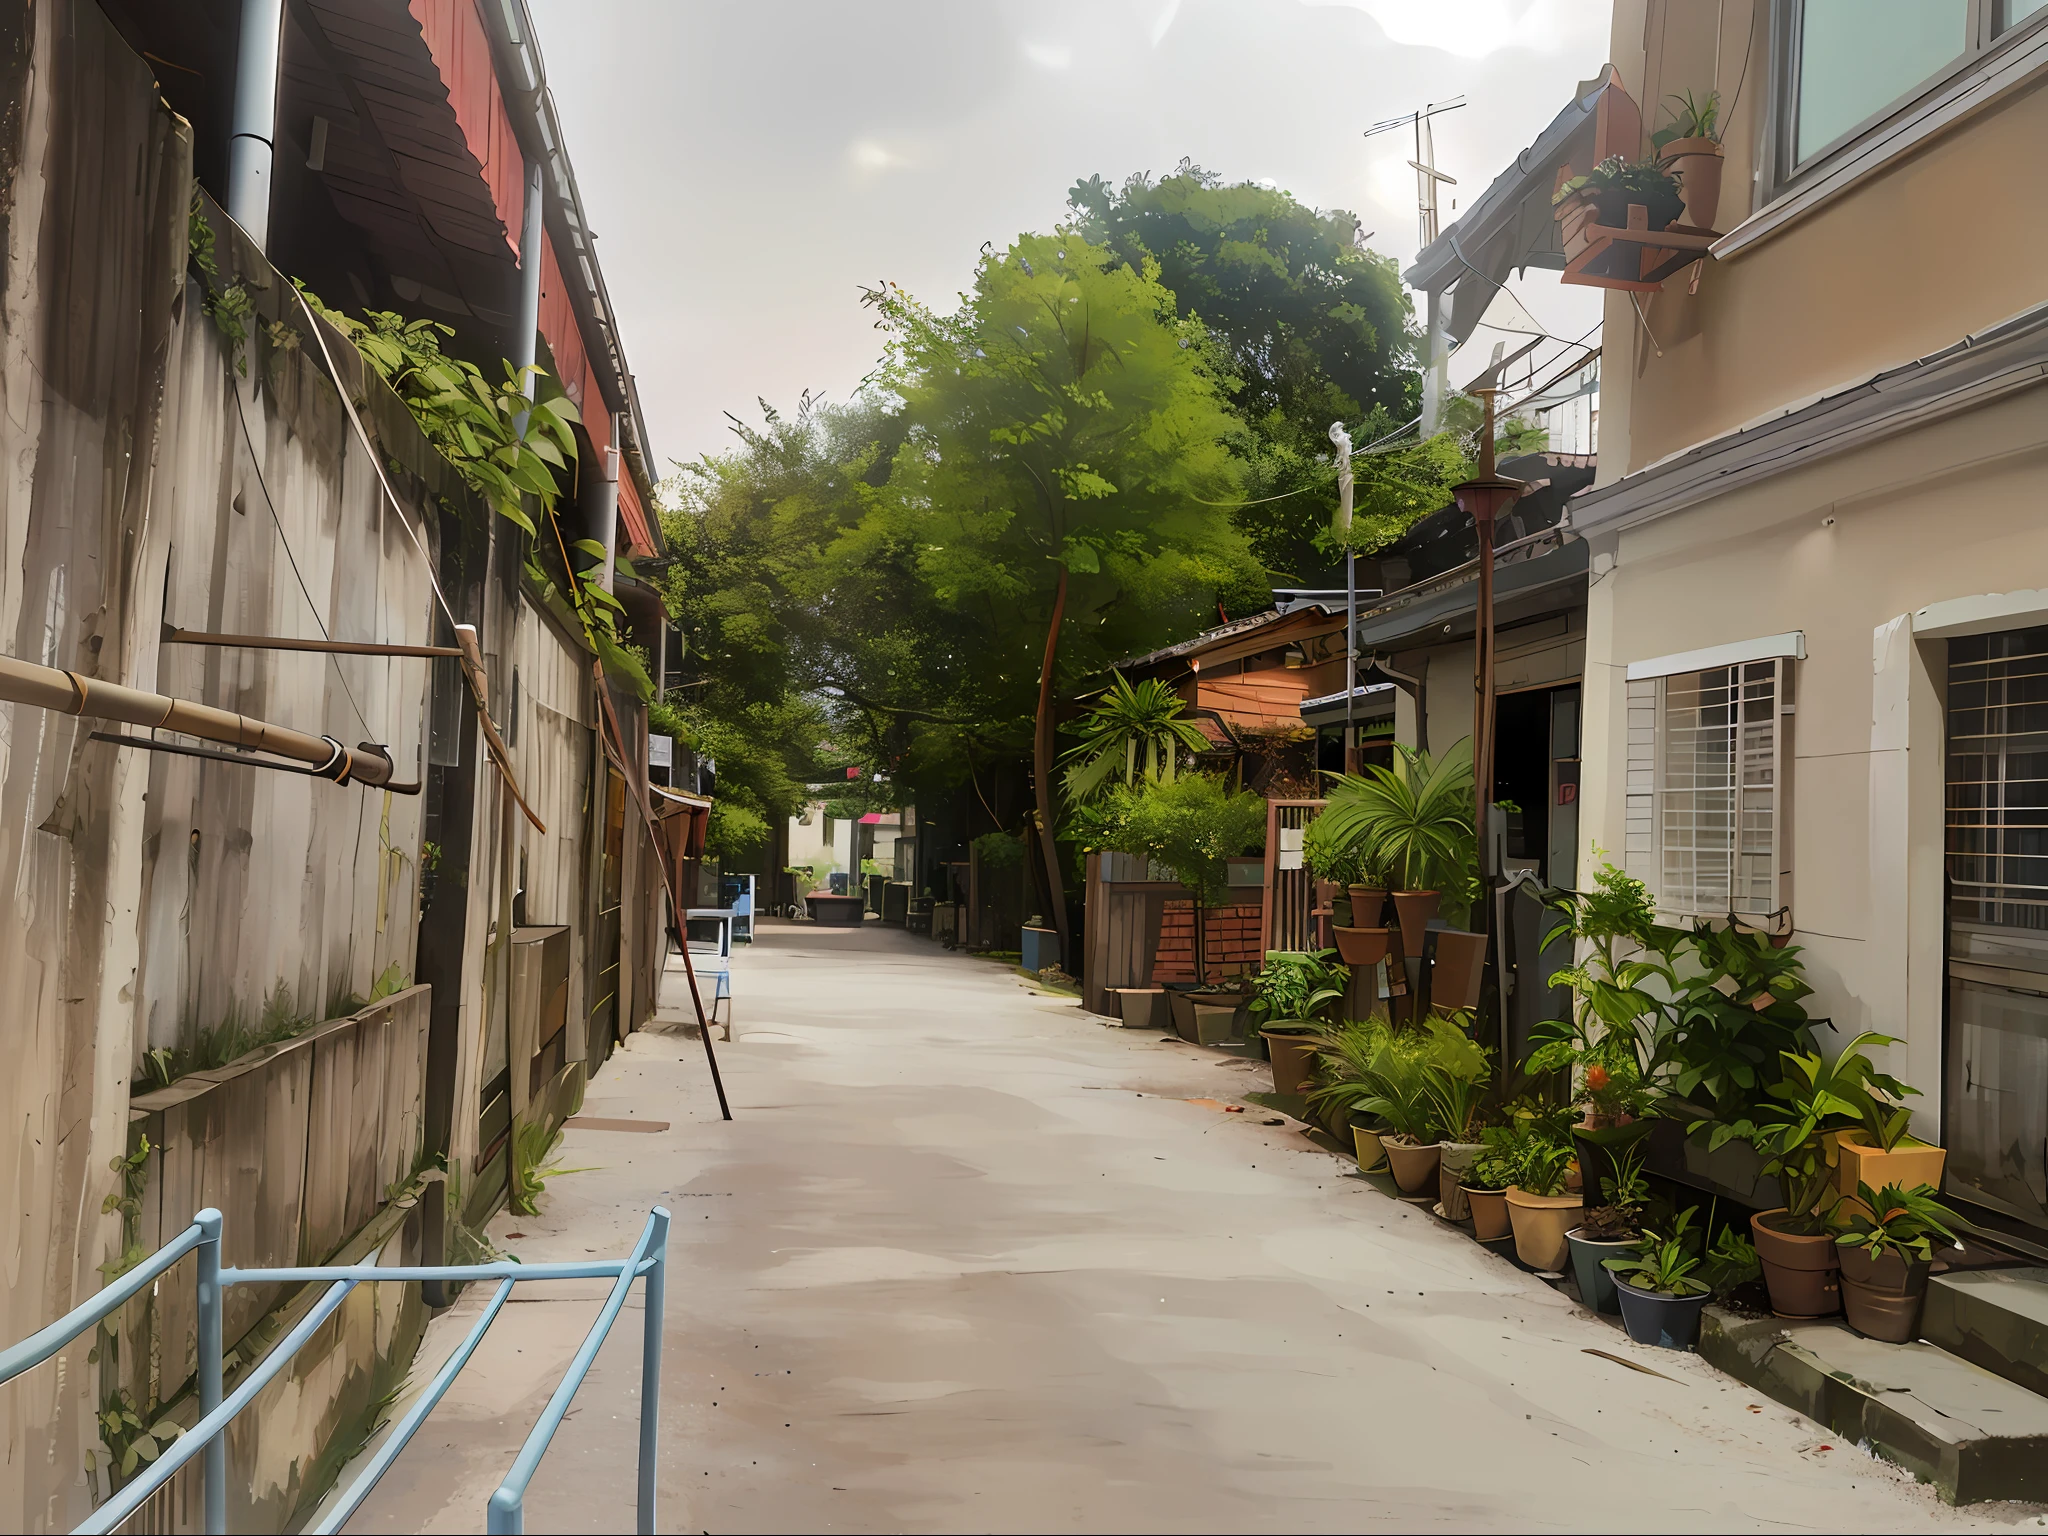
(748, 164)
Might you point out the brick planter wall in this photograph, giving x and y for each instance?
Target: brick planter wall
(1231, 947)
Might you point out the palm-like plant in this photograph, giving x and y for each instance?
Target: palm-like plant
(1134, 727)
(1417, 824)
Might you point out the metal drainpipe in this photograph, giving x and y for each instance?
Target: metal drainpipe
(525, 340)
(254, 131)
(1417, 689)
(608, 508)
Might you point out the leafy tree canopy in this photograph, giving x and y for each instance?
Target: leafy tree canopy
(1313, 328)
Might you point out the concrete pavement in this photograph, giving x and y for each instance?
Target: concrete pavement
(967, 1260)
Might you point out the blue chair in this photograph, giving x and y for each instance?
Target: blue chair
(743, 915)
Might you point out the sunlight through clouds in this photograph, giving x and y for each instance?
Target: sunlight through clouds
(1472, 29)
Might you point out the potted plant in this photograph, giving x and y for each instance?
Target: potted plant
(1689, 147)
(1401, 1071)
(1887, 1251)
(1879, 1152)
(1459, 1070)
(1661, 1297)
(1347, 867)
(1289, 991)
(1612, 1230)
(1486, 1183)
(1346, 1077)
(1611, 186)
(1796, 1132)
(1415, 823)
(1539, 1208)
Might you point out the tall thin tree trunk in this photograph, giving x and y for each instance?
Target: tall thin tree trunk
(1041, 773)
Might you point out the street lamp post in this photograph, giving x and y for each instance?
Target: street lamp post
(1485, 498)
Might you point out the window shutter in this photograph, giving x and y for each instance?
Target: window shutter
(1704, 775)
(1639, 848)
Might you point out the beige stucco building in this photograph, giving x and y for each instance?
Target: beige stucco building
(1817, 611)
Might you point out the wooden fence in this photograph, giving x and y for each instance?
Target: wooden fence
(1290, 889)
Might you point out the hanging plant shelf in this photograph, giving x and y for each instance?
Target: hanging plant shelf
(1636, 259)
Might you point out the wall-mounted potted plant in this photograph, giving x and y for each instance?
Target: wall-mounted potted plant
(1540, 1209)
(1610, 1230)
(1289, 993)
(1661, 1296)
(1887, 1251)
(1689, 146)
(1795, 1129)
(1608, 190)
(1486, 1183)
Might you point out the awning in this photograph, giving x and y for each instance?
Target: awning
(1511, 226)
(1371, 701)
(1520, 591)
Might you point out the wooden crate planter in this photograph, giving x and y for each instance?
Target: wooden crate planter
(1635, 259)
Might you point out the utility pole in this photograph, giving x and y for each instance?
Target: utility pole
(1427, 178)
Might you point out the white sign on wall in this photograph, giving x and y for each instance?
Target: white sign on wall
(661, 751)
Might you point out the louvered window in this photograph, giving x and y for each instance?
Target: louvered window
(1705, 775)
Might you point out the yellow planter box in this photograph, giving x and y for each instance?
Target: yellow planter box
(1911, 1162)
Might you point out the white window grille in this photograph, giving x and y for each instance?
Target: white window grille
(1704, 818)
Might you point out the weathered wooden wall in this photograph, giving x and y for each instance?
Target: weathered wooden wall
(97, 177)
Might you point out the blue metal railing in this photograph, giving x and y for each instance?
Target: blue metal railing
(507, 1509)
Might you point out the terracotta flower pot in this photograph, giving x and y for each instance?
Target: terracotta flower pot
(1540, 1223)
(1293, 1050)
(1881, 1297)
(1454, 977)
(1697, 165)
(1363, 946)
(1368, 905)
(1415, 908)
(1651, 1317)
(1802, 1273)
(1909, 1163)
(1414, 1164)
(1489, 1214)
(1456, 1159)
(1371, 1155)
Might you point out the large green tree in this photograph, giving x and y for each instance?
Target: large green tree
(1065, 476)
(1314, 329)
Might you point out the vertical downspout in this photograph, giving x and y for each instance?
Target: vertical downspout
(525, 339)
(253, 132)
(608, 508)
(1435, 367)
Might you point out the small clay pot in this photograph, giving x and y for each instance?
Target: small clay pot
(1371, 1155)
(1540, 1223)
(1414, 1165)
(1456, 1158)
(1697, 165)
(1363, 946)
(1415, 908)
(1490, 1222)
(1368, 905)
(1803, 1274)
(1881, 1297)
(1293, 1050)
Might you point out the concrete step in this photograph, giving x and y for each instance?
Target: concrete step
(1972, 1434)
(1994, 1318)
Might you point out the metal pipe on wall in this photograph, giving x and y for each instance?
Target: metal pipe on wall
(253, 132)
(608, 510)
(526, 324)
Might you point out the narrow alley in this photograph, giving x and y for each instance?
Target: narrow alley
(966, 1259)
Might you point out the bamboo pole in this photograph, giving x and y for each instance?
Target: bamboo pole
(23, 682)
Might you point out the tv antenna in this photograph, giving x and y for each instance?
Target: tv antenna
(1426, 174)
